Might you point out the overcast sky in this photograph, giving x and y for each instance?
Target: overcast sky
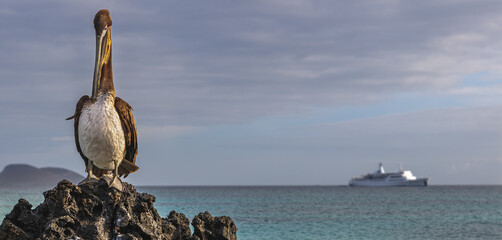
(265, 92)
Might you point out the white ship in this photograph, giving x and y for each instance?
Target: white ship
(382, 179)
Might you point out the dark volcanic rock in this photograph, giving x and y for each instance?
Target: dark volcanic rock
(178, 226)
(207, 227)
(95, 211)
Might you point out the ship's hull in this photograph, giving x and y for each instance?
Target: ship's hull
(421, 182)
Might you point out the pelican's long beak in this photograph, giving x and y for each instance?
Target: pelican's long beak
(103, 47)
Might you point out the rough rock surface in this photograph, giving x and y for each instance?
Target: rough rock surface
(95, 211)
(207, 227)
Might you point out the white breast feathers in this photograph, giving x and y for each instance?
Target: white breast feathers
(100, 133)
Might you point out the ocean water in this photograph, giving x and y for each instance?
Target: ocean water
(332, 212)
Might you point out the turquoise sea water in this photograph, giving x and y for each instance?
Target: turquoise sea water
(332, 212)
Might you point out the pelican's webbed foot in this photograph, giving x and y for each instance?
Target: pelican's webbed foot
(114, 181)
(88, 179)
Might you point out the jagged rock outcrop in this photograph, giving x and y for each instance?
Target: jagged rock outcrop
(95, 211)
(207, 227)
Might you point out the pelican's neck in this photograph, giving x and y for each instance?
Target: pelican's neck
(106, 85)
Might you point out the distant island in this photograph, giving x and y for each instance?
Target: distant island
(24, 175)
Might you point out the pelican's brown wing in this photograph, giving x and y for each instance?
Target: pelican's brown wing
(124, 111)
(84, 100)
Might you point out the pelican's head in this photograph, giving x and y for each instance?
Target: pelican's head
(102, 25)
(102, 21)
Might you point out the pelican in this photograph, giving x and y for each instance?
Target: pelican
(104, 127)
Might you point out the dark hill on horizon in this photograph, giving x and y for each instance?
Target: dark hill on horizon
(25, 175)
